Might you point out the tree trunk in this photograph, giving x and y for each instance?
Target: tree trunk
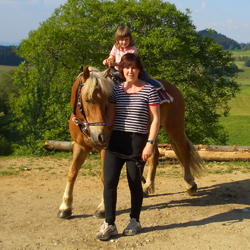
(213, 155)
(58, 145)
(206, 152)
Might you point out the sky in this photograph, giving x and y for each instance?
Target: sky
(227, 17)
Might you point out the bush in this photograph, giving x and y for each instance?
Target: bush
(247, 63)
(242, 58)
(5, 146)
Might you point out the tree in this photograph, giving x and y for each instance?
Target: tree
(6, 88)
(244, 47)
(247, 63)
(81, 33)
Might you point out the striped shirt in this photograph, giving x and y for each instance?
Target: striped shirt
(132, 110)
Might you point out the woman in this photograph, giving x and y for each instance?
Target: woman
(131, 106)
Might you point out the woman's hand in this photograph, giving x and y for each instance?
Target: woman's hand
(154, 128)
(147, 151)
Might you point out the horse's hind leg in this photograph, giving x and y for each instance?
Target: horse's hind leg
(149, 186)
(79, 156)
(183, 153)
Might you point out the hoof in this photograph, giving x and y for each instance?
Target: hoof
(192, 190)
(99, 214)
(145, 194)
(64, 214)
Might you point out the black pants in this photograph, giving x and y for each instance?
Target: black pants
(126, 144)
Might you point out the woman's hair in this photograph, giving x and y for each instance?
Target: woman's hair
(121, 33)
(128, 60)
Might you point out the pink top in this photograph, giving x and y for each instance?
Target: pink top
(119, 53)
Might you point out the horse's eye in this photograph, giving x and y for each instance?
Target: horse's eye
(87, 100)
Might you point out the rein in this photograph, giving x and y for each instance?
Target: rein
(83, 126)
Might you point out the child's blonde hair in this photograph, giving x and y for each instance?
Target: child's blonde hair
(121, 33)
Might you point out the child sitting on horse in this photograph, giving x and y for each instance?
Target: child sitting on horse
(123, 44)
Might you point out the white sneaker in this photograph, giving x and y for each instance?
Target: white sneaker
(133, 227)
(106, 231)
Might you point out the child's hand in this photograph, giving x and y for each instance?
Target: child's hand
(108, 62)
(105, 62)
(74, 119)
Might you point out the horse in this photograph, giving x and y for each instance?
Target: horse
(89, 98)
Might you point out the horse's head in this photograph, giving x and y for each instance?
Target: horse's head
(94, 98)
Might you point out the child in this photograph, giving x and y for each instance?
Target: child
(123, 44)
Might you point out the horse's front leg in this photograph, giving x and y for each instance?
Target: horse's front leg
(79, 156)
(149, 186)
(100, 211)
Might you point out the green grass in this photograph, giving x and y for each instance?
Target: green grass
(40, 168)
(228, 167)
(241, 53)
(4, 68)
(244, 74)
(238, 122)
(238, 128)
(240, 106)
(8, 173)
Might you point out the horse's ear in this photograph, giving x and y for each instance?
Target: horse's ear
(86, 73)
(106, 73)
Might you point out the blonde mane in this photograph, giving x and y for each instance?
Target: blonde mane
(97, 80)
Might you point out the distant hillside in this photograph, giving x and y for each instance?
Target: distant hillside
(226, 42)
(9, 58)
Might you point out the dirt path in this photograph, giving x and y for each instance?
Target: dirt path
(217, 217)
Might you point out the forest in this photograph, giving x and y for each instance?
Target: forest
(8, 57)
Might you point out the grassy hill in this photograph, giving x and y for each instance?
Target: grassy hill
(238, 122)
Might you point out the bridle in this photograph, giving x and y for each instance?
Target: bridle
(83, 126)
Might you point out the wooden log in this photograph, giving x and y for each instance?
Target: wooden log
(59, 145)
(211, 147)
(213, 155)
(225, 156)
(207, 153)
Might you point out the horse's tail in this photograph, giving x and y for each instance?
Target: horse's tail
(196, 163)
(197, 166)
